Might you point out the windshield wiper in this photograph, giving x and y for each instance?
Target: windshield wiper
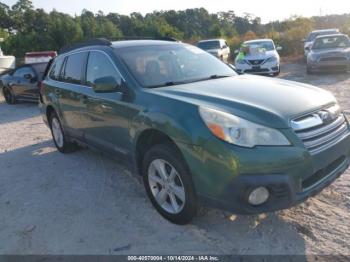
(170, 83)
(173, 83)
(218, 76)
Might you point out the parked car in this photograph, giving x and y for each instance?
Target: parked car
(258, 57)
(22, 83)
(329, 53)
(195, 130)
(313, 35)
(217, 47)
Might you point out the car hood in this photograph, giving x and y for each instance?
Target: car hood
(261, 55)
(271, 102)
(331, 52)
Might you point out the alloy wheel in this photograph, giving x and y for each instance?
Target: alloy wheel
(166, 186)
(57, 132)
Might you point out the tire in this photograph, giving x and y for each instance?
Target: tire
(10, 98)
(174, 199)
(277, 73)
(61, 141)
(309, 71)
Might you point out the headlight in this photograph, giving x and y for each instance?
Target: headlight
(241, 61)
(272, 59)
(241, 132)
(312, 58)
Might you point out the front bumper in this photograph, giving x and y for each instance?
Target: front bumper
(319, 66)
(263, 69)
(225, 174)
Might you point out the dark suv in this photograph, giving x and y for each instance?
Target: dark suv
(195, 130)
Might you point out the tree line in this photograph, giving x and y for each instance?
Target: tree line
(25, 28)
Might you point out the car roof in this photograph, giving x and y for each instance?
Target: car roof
(258, 40)
(325, 30)
(209, 40)
(132, 43)
(330, 35)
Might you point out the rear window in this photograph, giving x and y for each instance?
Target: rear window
(56, 68)
(74, 68)
(207, 45)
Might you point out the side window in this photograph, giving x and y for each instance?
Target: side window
(74, 68)
(23, 71)
(56, 69)
(101, 73)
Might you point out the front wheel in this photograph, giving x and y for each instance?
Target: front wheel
(61, 141)
(169, 185)
(309, 71)
(10, 98)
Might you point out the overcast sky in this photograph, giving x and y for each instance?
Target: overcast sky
(268, 10)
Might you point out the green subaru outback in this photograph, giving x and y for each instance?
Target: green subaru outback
(193, 129)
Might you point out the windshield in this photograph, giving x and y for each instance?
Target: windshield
(312, 36)
(207, 45)
(262, 46)
(164, 65)
(331, 42)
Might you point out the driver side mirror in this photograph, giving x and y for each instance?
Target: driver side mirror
(236, 51)
(28, 76)
(107, 84)
(307, 48)
(279, 48)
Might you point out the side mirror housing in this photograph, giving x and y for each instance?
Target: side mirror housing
(307, 48)
(28, 76)
(236, 51)
(106, 84)
(279, 48)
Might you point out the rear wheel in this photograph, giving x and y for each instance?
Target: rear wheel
(309, 71)
(10, 98)
(61, 141)
(169, 185)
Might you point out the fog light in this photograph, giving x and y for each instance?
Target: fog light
(258, 196)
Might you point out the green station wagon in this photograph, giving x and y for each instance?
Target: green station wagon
(196, 131)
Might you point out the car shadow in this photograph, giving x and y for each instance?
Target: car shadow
(65, 201)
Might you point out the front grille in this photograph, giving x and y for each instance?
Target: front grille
(323, 134)
(257, 70)
(339, 58)
(256, 62)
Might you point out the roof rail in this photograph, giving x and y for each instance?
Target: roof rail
(90, 42)
(106, 42)
(164, 38)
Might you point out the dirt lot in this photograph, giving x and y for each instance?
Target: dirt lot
(85, 203)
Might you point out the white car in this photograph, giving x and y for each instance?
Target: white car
(313, 35)
(216, 47)
(258, 57)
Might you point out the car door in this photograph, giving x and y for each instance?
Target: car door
(23, 82)
(70, 91)
(108, 112)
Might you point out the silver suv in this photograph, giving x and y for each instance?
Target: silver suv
(216, 47)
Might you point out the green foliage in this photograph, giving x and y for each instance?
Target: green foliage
(27, 29)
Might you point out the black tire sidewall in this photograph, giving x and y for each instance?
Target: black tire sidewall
(11, 99)
(172, 156)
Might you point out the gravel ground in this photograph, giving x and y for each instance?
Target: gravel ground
(86, 203)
